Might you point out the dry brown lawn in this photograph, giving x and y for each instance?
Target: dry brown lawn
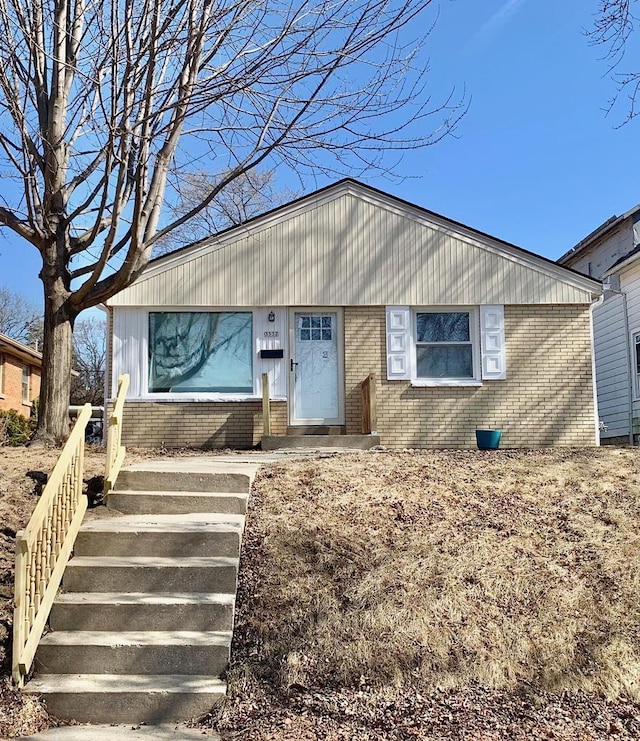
(445, 568)
(442, 571)
(427, 595)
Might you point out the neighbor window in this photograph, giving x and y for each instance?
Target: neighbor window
(201, 351)
(26, 376)
(444, 347)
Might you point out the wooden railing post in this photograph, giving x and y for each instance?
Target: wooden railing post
(115, 450)
(369, 405)
(266, 406)
(19, 613)
(373, 405)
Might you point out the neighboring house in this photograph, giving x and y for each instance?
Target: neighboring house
(20, 368)
(461, 330)
(611, 253)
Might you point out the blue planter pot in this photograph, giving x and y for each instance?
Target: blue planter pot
(488, 439)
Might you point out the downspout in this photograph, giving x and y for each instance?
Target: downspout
(593, 306)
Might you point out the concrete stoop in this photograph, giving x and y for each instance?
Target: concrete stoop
(142, 629)
(317, 442)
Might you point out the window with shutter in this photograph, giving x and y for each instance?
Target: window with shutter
(445, 346)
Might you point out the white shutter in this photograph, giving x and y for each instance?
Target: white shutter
(492, 343)
(398, 343)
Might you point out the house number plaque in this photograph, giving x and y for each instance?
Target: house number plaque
(272, 333)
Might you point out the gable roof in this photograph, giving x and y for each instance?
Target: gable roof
(24, 352)
(351, 244)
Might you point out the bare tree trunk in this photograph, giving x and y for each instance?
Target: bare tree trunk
(100, 102)
(57, 354)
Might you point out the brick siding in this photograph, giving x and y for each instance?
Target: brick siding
(11, 384)
(229, 424)
(546, 399)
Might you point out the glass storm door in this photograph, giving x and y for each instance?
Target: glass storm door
(315, 369)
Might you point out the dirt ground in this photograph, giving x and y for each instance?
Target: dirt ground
(415, 595)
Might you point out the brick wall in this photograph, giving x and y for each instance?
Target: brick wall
(229, 424)
(546, 399)
(11, 384)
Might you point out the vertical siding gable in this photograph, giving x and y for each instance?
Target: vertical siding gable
(349, 251)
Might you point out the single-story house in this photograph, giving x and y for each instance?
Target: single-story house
(611, 253)
(461, 331)
(20, 370)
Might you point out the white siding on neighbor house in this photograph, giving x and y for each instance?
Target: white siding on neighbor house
(350, 249)
(630, 284)
(612, 366)
(130, 352)
(600, 256)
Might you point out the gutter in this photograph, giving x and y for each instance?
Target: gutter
(596, 415)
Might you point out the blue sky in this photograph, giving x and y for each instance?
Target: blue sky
(535, 161)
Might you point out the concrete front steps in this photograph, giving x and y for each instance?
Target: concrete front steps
(142, 630)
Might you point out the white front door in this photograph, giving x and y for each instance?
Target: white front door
(316, 393)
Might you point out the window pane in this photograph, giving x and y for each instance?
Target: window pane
(442, 361)
(25, 383)
(315, 321)
(305, 334)
(450, 326)
(326, 321)
(201, 351)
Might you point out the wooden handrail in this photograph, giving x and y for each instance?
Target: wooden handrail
(115, 450)
(369, 405)
(266, 406)
(44, 547)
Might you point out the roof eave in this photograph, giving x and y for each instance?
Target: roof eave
(21, 351)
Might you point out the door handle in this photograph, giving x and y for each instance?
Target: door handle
(293, 364)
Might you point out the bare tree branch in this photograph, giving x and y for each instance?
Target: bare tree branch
(612, 29)
(105, 102)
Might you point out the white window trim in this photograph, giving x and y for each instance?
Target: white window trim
(202, 396)
(1, 376)
(474, 335)
(25, 401)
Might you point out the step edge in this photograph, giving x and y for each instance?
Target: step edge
(146, 598)
(135, 638)
(129, 683)
(155, 561)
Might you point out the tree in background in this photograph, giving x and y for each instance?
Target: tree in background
(89, 361)
(250, 194)
(19, 318)
(103, 104)
(613, 26)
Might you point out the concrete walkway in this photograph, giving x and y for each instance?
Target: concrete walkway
(173, 732)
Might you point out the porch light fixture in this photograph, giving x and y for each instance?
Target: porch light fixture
(272, 316)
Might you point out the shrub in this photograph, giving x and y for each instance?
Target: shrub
(14, 428)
